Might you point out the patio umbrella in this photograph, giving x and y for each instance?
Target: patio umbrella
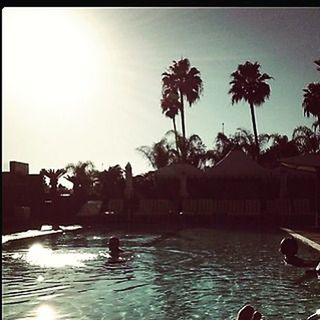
(310, 163)
(128, 186)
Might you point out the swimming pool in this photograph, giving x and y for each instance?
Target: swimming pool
(195, 273)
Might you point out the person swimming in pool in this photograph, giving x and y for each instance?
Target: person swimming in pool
(114, 248)
(289, 248)
(248, 312)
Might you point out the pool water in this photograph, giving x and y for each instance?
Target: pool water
(193, 273)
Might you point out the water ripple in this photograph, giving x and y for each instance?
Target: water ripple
(175, 278)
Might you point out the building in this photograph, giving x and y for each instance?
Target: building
(22, 194)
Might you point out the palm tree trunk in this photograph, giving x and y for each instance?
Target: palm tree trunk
(182, 116)
(176, 134)
(254, 130)
(183, 126)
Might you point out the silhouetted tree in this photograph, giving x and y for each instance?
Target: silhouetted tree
(160, 154)
(194, 150)
(170, 107)
(250, 85)
(185, 81)
(242, 138)
(112, 182)
(54, 176)
(311, 101)
(316, 125)
(281, 147)
(82, 176)
(317, 62)
(246, 140)
(144, 185)
(306, 140)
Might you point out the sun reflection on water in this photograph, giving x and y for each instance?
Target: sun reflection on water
(45, 312)
(44, 257)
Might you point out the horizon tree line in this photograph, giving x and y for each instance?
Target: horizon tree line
(87, 180)
(182, 83)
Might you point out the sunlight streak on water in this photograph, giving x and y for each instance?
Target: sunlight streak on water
(45, 312)
(206, 274)
(38, 255)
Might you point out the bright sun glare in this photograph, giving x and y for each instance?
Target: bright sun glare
(41, 256)
(45, 312)
(50, 57)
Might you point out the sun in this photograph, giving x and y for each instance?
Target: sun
(50, 57)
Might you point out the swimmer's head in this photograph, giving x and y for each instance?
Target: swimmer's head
(245, 313)
(288, 246)
(114, 243)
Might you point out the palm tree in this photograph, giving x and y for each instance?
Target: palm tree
(223, 144)
(317, 62)
(160, 154)
(54, 176)
(185, 81)
(112, 181)
(306, 140)
(311, 101)
(250, 85)
(194, 150)
(170, 107)
(246, 140)
(82, 176)
(280, 147)
(316, 125)
(242, 138)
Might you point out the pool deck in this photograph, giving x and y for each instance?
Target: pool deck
(310, 238)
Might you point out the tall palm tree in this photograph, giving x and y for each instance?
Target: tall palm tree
(250, 85)
(311, 101)
(186, 82)
(54, 176)
(170, 107)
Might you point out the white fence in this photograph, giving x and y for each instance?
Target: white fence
(214, 207)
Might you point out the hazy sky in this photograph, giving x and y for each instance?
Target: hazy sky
(85, 83)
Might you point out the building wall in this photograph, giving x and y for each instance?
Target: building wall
(20, 189)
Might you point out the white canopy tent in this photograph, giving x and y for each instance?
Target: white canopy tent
(177, 170)
(180, 171)
(237, 164)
